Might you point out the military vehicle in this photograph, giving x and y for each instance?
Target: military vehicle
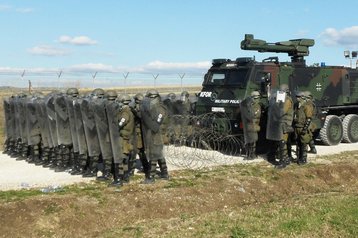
(334, 88)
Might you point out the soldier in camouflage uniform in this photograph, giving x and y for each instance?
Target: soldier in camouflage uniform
(123, 166)
(281, 111)
(153, 113)
(170, 125)
(284, 146)
(139, 144)
(252, 124)
(302, 120)
(184, 110)
(309, 100)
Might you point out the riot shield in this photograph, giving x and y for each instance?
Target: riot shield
(274, 119)
(22, 119)
(113, 109)
(100, 115)
(80, 131)
(90, 129)
(51, 118)
(247, 117)
(43, 123)
(9, 119)
(148, 121)
(70, 102)
(32, 122)
(63, 121)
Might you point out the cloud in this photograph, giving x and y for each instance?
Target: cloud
(48, 50)
(77, 40)
(4, 8)
(347, 37)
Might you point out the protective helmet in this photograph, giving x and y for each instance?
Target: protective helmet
(72, 92)
(171, 96)
(112, 95)
(284, 88)
(308, 94)
(299, 94)
(99, 92)
(152, 93)
(125, 99)
(185, 93)
(138, 97)
(255, 94)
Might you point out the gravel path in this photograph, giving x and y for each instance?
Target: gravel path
(15, 175)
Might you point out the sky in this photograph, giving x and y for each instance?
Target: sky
(144, 42)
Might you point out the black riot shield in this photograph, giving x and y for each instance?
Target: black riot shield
(90, 129)
(9, 119)
(14, 109)
(274, 119)
(62, 121)
(22, 117)
(70, 102)
(32, 122)
(51, 118)
(113, 109)
(248, 125)
(148, 121)
(80, 131)
(43, 123)
(100, 115)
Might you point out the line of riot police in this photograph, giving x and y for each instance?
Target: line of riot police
(99, 134)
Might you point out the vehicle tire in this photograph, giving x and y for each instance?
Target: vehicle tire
(350, 128)
(332, 131)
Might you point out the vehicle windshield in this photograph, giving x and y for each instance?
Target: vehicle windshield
(227, 77)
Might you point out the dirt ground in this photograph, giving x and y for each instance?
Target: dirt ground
(172, 208)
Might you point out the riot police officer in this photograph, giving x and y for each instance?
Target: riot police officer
(139, 144)
(309, 101)
(153, 113)
(302, 121)
(279, 124)
(251, 114)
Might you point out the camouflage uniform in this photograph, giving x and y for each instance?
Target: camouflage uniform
(153, 113)
(284, 147)
(124, 164)
(252, 123)
(139, 144)
(303, 116)
(184, 110)
(313, 126)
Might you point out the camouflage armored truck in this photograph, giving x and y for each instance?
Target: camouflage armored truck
(334, 88)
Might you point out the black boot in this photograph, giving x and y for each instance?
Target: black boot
(105, 170)
(149, 176)
(163, 169)
(312, 147)
(91, 170)
(117, 180)
(283, 157)
(303, 155)
(144, 161)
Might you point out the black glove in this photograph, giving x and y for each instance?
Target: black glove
(306, 125)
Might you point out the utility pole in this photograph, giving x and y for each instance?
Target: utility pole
(125, 81)
(93, 77)
(59, 74)
(181, 80)
(155, 79)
